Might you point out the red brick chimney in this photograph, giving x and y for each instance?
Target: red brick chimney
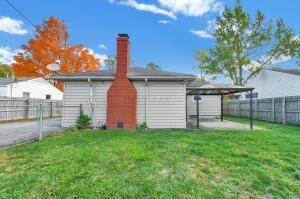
(122, 96)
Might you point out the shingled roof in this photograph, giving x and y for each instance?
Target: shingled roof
(12, 80)
(208, 88)
(135, 73)
(288, 71)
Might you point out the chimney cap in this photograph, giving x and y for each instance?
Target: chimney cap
(123, 35)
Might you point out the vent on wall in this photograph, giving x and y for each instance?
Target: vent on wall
(120, 125)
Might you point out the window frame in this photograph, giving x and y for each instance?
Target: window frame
(26, 96)
(49, 96)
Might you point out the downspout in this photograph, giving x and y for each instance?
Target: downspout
(90, 101)
(185, 99)
(146, 100)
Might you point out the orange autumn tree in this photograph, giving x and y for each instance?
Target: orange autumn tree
(48, 45)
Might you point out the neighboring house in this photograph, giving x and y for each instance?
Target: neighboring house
(128, 97)
(29, 88)
(273, 82)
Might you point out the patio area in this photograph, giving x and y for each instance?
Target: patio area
(215, 124)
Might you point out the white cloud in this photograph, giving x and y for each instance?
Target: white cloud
(202, 34)
(146, 7)
(164, 22)
(192, 7)
(12, 26)
(283, 59)
(7, 55)
(102, 46)
(208, 32)
(101, 57)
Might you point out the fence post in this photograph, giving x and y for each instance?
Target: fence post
(7, 109)
(26, 109)
(283, 111)
(239, 108)
(51, 108)
(273, 109)
(256, 108)
(40, 121)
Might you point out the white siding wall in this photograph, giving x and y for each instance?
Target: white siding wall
(77, 93)
(269, 84)
(38, 88)
(3, 91)
(166, 105)
(210, 107)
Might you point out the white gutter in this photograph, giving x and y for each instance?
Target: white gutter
(90, 101)
(129, 77)
(161, 78)
(82, 78)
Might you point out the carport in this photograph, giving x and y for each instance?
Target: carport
(197, 88)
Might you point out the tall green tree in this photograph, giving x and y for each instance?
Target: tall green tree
(201, 57)
(152, 66)
(110, 62)
(5, 70)
(244, 46)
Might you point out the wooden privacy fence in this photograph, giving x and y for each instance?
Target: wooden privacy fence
(12, 108)
(281, 109)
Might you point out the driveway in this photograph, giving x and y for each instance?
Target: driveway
(18, 132)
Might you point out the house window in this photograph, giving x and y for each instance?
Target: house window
(26, 94)
(254, 95)
(200, 98)
(48, 97)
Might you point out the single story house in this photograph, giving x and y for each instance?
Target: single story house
(29, 87)
(129, 96)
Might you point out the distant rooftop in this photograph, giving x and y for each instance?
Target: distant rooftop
(288, 71)
(12, 80)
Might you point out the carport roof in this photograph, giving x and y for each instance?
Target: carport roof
(207, 88)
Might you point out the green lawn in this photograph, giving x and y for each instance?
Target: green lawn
(156, 164)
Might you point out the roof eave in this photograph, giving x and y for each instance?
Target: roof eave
(66, 78)
(161, 78)
(77, 78)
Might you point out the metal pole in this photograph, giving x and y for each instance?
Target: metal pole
(222, 111)
(51, 108)
(197, 109)
(186, 99)
(40, 121)
(251, 112)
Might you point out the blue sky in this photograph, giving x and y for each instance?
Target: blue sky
(166, 32)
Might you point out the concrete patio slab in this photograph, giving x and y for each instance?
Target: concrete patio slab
(214, 124)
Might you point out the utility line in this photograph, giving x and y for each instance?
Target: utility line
(8, 50)
(25, 17)
(20, 13)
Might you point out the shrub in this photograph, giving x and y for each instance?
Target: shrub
(143, 126)
(83, 121)
(103, 126)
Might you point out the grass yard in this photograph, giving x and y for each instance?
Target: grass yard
(156, 164)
